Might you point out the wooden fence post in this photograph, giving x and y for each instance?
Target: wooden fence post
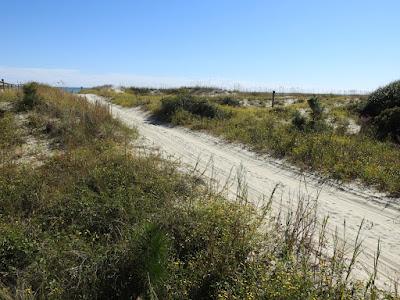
(2, 84)
(273, 98)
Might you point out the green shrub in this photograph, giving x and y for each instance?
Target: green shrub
(133, 268)
(316, 123)
(139, 91)
(299, 121)
(196, 106)
(20, 191)
(382, 108)
(316, 108)
(383, 98)
(16, 253)
(31, 97)
(183, 117)
(151, 250)
(388, 124)
(211, 242)
(229, 101)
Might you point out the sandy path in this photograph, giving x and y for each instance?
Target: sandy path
(344, 202)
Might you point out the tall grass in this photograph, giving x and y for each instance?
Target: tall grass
(9, 131)
(9, 95)
(100, 222)
(341, 156)
(72, 121)
(331, 152)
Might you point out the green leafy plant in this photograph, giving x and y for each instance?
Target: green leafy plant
(16, 253)
(230, 101)
(316, 108)
(387, 124)
(382, 112)
(196, 106)
(31, 97)
(383, 98)
(299, 121)
(316, 122)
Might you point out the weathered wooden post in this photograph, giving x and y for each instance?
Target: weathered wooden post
(2, 84)
(273, 98)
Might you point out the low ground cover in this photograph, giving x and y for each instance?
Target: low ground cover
(331, 144)
(98, 221)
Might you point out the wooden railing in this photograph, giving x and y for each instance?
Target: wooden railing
(6, 85)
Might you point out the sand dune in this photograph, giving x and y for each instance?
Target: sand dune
(341, 202)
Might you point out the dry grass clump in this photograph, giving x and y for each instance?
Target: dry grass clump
(72, 120)
(9, 95)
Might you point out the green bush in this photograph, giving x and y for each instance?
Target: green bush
(133, 268)
(211, 242)
(196, 106)
(151, 249)
(16, 253)
(388, 124)
(316, 123)
(316, 108)
(383, 111)
(139, 90)
(383, 98)
(229, 101)
(20, 191)
(31, 97)
(299, 121)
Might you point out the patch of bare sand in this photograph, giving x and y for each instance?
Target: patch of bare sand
(35, 146)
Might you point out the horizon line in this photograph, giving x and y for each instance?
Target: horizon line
(77, 78)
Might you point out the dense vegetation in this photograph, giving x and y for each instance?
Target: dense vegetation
(186, 103)
(314, 133)
(383, 111)
(383, 98)
(95, 220)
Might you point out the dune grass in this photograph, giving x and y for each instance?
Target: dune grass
(332, 152)
(9, 132)
(9, 95)
(10, 136)
(100, 221)
(340, 156)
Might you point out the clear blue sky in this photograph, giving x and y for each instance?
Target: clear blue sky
(309, 44)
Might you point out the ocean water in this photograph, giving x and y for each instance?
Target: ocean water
(73, 90)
